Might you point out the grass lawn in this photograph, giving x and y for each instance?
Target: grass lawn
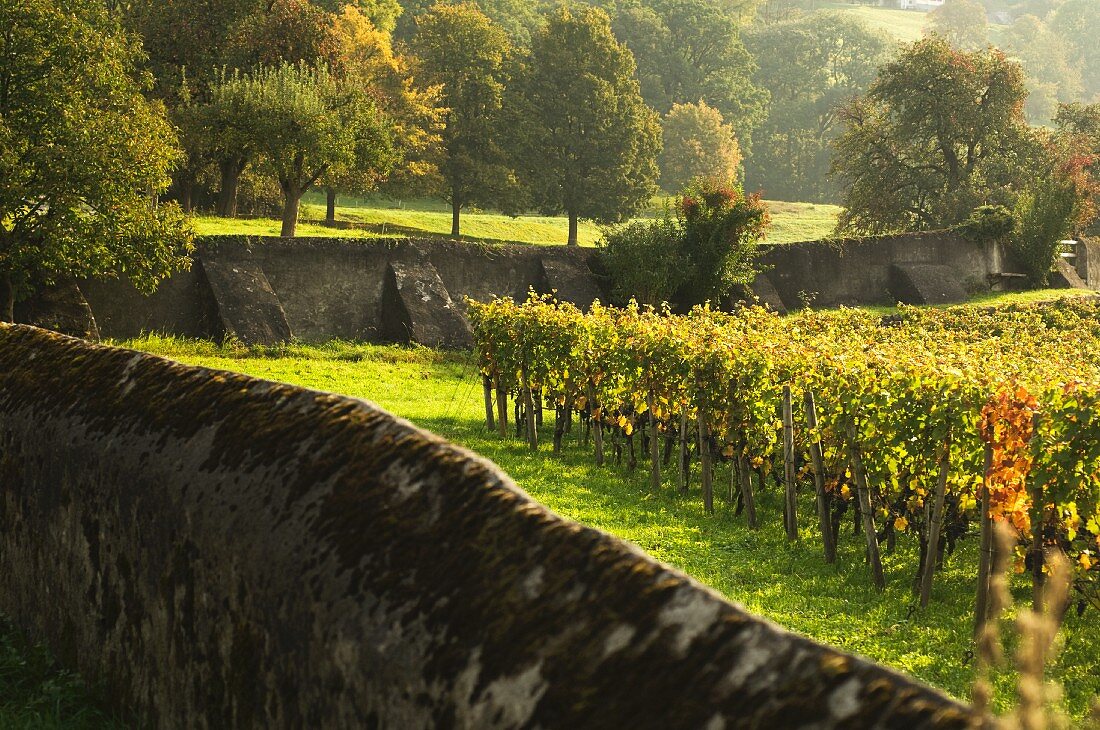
(790, 222)
(788, 583)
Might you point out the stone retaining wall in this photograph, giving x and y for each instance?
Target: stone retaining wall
(228, 552)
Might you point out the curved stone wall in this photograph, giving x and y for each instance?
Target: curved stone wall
(228, 552)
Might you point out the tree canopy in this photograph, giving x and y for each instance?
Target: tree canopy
(462, 51)
(83, 154)
(698, 145)
(940, 132)
(827, 59)
(589, 144)
(304, 122)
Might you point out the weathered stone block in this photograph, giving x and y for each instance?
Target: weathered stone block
(416, 307)
(926, 284)
(228, 552)
(247, 306)
(61, 308)
(570, 280)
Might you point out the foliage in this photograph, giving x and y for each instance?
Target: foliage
(962, 23)
(366, 61)
(1077, 128)
(811, 66)
(643, 259)
(588, 145)
(988, 223)
(939, 133)
(1048, 212)
(82, 153)
(721, 227)
(303, 122)
(689, 51)
(698, 144)
(1075, 23)
(899, 391)
(1051, 77)
(282, 31)
(35, 694)
(463, 52)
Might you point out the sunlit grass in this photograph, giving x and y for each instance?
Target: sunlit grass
(790, 222)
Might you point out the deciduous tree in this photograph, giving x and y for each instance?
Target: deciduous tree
(305, 123)
(963, 23)
(698, 144)
(465, 53)
(589, 146)
(825, 59)
(940, 132)
(83, 154)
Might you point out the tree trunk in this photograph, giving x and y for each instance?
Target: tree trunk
(7, 298)
(227, 192)
(291, 199)
(187, 193)
(330, 206)
(572, 228)
(456, 217)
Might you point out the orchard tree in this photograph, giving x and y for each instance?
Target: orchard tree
(963, 23)
(365, 59)
(939, 133)
(827, 58)
(83, 154)
(463, 52)
(305, 122)
(698, 145)
(589, 144)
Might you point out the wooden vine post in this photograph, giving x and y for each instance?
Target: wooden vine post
(744, 473)
(682, 454)
(502, 409)
(986, 557)
(867, 518)
(597, 423)
(818, 459)
(654, 445)
(529, 411)
(935, 525)
(707, 460)
(790, 504)
(487, 388)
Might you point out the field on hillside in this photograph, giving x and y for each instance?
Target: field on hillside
(787, 582)
(905, 25)
(790, 222)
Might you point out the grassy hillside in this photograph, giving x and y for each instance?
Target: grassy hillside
(788, 583)
(790, 222)
(905, 25)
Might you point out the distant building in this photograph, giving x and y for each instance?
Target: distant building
(920, 5)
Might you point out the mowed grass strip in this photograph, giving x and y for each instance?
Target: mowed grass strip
(788, 583)
(790, 222)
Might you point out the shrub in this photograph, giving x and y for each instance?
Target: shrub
(1046, 214)
(696, 256)
(988, 223)
(720, 229)
(643, 258)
